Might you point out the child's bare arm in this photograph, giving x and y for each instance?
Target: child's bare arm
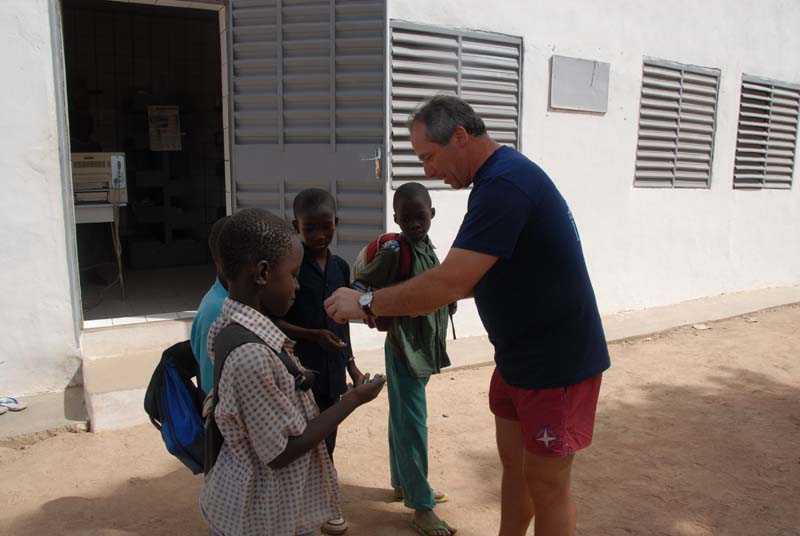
(322, 337)
(326, 422)
(355, 374)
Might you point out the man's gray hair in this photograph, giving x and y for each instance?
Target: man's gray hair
(442, 114)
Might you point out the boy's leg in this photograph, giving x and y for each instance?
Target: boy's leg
(408, 416)
(324, 401)
(394, 469)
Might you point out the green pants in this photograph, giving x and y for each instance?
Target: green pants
(408, 433)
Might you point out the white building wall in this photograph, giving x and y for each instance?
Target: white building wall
(644, 247)
(39, 349)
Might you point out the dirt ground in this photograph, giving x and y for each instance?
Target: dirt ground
(697, 434)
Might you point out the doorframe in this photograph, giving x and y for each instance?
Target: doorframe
(55, 9)
(65, 164)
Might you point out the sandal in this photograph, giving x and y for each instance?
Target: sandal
(432, 530)
(12, 404)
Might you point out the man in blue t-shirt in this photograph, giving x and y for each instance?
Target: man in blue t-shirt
(518, 252)
(208, 311)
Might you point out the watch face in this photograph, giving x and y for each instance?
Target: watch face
(365, 299)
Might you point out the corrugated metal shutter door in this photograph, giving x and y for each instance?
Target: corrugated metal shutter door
(308, 108)
(676, 125)
(484, 69)
(767, 135)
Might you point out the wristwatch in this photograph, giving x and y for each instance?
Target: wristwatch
(365, 301)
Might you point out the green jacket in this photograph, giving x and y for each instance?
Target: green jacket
(420, 341)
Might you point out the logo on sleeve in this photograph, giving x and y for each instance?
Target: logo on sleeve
(391, 244)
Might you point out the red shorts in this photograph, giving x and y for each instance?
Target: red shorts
(555, 422)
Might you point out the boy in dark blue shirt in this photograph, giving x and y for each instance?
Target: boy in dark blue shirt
(322, 344)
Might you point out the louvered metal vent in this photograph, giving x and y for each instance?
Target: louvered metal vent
(676, 125)
(484, 69)
(307, 71)
(767, 135)
(309, 108)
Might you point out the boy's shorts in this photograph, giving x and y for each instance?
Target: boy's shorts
(555, 422)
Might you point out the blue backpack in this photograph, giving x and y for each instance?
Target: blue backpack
(174, 404)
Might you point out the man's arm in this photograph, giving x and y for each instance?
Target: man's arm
(453, 280)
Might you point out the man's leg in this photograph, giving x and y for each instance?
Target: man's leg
(548, 481)
(556, 423)
(516, 505)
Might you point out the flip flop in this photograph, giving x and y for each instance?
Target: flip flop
(335, 526)
(431, 529)
(12, 404)
(438, 496)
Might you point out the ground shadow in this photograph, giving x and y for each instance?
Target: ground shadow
(724, 456)
(167, 505)
(715, 456)
(717, 459)
(130, 510)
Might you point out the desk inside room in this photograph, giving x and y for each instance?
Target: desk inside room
(100, 190)
(104, 213)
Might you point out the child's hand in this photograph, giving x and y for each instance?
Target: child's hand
(367, 390)
(328, 340)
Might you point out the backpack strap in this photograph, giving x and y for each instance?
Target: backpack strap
(230, 338)
(405, 258)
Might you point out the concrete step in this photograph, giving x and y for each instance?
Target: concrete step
(117, 365)
(46, 413)
(119, 361)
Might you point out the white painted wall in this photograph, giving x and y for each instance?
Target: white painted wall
(39, 350)
(644, 247)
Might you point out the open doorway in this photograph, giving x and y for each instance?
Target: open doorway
(145, 106)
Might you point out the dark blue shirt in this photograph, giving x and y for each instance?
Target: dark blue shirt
(308, 311)
(536, 302)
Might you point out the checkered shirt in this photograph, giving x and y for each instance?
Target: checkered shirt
(258, 410)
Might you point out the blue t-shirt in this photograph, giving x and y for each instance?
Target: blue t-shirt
(536, 302)
(209, 310)
(308, 311)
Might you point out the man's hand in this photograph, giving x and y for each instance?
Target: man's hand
(343, 305)
(367, 390)
(327, 340)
